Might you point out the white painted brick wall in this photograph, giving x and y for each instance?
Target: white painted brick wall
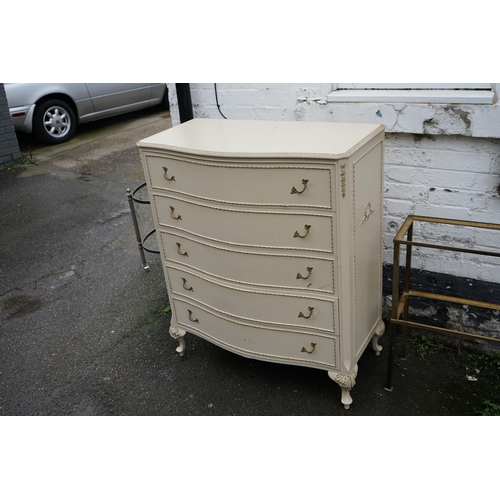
(445, 176)
(448, 175)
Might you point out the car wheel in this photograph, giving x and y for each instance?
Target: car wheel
(54, 121)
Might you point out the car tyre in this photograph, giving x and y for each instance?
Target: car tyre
(54, 121)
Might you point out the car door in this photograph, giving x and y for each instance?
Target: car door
(115, 98)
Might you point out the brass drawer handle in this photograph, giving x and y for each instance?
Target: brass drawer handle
(185, 286)
(172, 209)
(179, 250)
(165, 170)
(191, 319)
(306, 227)
(313, 345)
(300, 277)
(301, 314)
(294, 191)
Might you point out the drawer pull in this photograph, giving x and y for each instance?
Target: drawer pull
(304, 181)
(165, 170)
(191, 319)
(185, 286)
(301, 314)
(172, 209)
(313, 345)
(300, 277)
(306, 227)
(179, 250)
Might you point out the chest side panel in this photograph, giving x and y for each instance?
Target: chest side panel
(367, 223)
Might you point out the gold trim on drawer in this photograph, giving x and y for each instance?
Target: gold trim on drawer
(256, 305)
(260, 268)
(251, 228)
(265, 185)
(256, 341)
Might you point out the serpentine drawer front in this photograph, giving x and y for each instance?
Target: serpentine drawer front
(270, 234)
(264, 184)
(259, 341)
(247, 227)
(264, 269)
(263, 306)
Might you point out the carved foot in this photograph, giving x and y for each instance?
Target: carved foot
(346, 383)
(379, 331)
(178, 334)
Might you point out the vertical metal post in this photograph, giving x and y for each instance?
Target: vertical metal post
(395, 301)
(407, 290)
(136, 227)
(184, 101)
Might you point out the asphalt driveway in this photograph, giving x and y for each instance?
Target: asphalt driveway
(84, 329)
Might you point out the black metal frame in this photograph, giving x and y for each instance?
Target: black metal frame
(140, 241)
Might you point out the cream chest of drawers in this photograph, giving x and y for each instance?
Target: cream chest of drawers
(270, 234)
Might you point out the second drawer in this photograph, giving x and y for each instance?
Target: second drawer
(253, 228)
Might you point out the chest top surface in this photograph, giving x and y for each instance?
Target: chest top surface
(262, 138)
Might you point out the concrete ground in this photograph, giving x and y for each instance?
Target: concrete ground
(84, 329)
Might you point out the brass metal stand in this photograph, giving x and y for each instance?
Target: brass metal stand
(400, 304)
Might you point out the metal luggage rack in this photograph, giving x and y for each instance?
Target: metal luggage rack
(140, 241)
(400, 304)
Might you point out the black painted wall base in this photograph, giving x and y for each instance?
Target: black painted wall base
(444, 314)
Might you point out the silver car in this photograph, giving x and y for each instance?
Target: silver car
(51, 111)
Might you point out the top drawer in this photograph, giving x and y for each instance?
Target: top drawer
(286, 185)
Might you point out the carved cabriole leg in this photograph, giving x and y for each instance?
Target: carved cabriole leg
(346, 382)
(178, 334)
(379, 331)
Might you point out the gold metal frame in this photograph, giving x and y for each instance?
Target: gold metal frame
(400, 304)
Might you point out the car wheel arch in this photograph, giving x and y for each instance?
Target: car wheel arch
(62, 97)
